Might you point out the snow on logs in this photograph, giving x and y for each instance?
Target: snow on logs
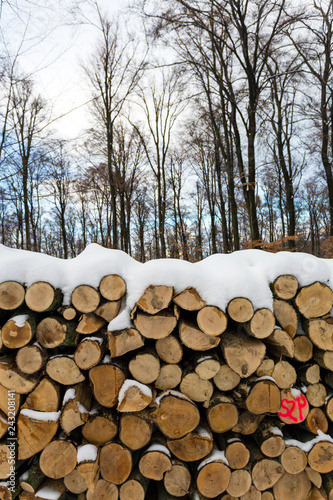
(166, 380)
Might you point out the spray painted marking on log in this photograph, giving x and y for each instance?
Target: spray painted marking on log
(293, 410)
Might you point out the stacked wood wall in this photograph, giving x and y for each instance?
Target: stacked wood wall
(191, 402)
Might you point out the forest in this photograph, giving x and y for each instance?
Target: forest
(210, 130)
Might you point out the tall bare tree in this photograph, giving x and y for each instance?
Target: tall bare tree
(315, 49)
(240, 35)
(113, 72)
(58, 185)
(127, 159)
(280, 115)
(162, 104)
(27, 116)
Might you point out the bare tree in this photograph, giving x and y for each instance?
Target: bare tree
(58, 185)
(280, 120)
(162, 103)
(315, 50)
(178, 177)
(113, 73)
(141, 213)
(127, 159)
(27, 116)
(237, 38)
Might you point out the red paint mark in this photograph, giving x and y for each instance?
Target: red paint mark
(289, 405)
(301, 401)
(289, 411)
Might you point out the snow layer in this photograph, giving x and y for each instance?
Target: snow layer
(86, 452)
(48, 493)
(93, 339)
(20, 320)
(233, 440)
(218, 278)
(295, 392)
(203, 432)
(276, 431)
(266, 377)
(308, 445)
(144, 389)
(214, 456)
(45, 416)
(81, 408)
(69, 394)
(160, 448)
(170, 392)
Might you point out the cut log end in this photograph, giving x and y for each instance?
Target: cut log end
(41, 296)
(115, 463)
(106, 381)
(155, 326)
(175, 417)
(155, 299)
(213, 479)
(11, 295)
(58, 459)
(285, 286)
(85, 298)
(262, 323)
(314, 300)
(112, 287)
(211, 320)
(189, 300)
(240, 310)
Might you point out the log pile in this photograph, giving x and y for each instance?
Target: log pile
(191, 402)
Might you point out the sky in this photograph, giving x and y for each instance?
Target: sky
(51, 39)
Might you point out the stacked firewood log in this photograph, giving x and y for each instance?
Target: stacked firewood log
(191, 402)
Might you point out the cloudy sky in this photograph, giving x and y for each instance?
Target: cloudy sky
(51, 38)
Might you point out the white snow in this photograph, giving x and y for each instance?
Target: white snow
(265, 377)
(276, 431)
(130, 383)
(308, 445)
(20, 320)
(96, 339)
(214, 456)
(170, 392)
(82, 409)
(45, 416)
(233, 440)
(24, 476)
(159, 447)
(62, 356)
(48, 493)
(203, 358)
(295, 392)
(328, 397)
(86, 452)
(218, 278)
(202, 432)
(69, 394)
